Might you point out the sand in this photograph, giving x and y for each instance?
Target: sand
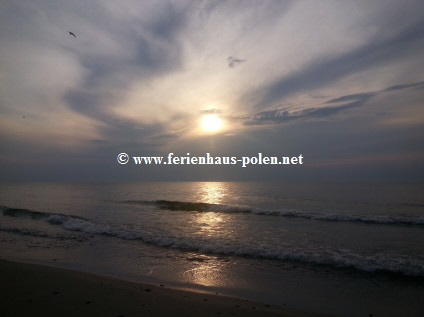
(35, 290)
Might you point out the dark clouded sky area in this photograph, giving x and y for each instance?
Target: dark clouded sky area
(340, 82)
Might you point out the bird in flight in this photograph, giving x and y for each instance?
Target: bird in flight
(70, 33)
(233, 61)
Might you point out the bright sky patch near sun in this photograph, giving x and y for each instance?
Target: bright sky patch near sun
(211, 123)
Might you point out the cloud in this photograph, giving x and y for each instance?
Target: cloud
(346, 102)
(321, 73)
(152, 50)
(87, 77)
(355, 97)
(285, 115)
(141, 73)
(210, 111)
(403, 86)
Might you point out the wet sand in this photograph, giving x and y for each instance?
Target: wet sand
(35, 290)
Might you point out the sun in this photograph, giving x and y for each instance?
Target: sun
(211, 123)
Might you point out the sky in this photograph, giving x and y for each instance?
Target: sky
(340, 82)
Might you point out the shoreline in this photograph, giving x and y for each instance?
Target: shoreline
(41, 290)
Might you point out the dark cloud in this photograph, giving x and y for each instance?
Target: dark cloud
(86, 101)
(285, 115)
(169, 22)
(99, 142)
(159, 140)
(321, 73)
(367, 95)
(354, 97)
(404, 86)
(349, 102)
(210, 111)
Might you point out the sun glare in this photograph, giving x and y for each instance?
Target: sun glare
(211, 123)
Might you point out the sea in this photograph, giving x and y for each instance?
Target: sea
(334, 248)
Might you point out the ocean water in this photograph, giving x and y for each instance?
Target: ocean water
(342, 249)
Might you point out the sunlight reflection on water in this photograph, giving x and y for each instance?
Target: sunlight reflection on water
(211, 192)
(207, 270)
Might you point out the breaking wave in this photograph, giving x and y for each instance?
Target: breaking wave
(290, 213)
(51, 217)
(388, 263)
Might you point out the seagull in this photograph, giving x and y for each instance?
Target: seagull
(233, 61)
(70, 33)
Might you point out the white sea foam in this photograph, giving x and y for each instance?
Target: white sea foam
(385, 262)
(371, 219)
(336, 258)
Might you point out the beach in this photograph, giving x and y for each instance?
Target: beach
(35, 290)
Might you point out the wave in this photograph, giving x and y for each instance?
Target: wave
(187, 206)
(289, 213)
(340, 259)
(387, 263)
(25, 232)
(18, 212)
